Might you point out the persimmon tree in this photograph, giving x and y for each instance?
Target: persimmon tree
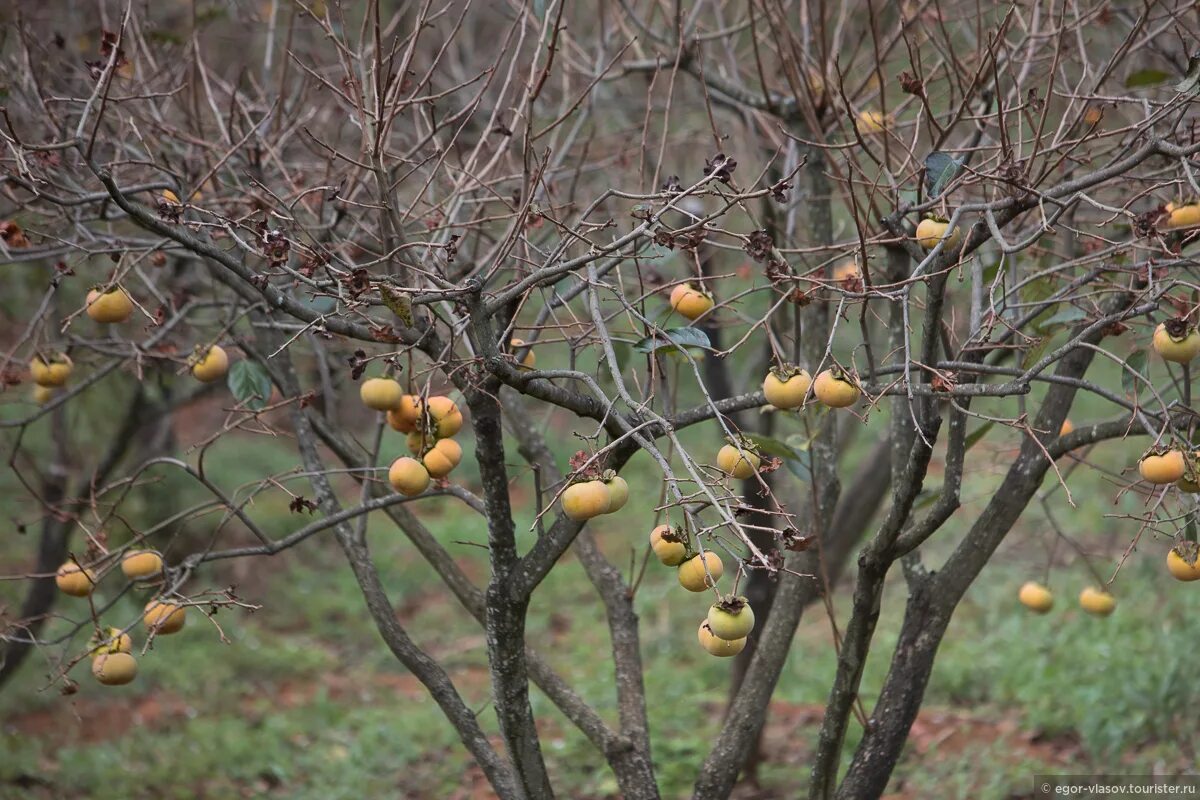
(924, 221)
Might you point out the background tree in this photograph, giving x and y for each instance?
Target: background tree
(623, 216)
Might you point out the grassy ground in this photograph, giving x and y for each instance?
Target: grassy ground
(304, 702)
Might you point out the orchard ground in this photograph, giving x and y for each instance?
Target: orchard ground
(306, 702)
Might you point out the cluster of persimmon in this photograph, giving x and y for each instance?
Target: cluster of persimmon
(1040, 600)
(787, 387)
(430, 423)
(113, 663)
(591, 495)
(50, 371)
(111, 306)
(1176, 341)
(731, 619)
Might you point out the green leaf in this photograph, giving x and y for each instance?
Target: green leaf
(1137, 362)
(623, 353)
(1191, 81)
(1034, 354)
(1038, 290)
(250, 384)
(1146, 77)
(798, 468)
(796, 464)
(772, 447)
(674, 339)
(940, 169)
(398, 303)
(1068, 314)
(799, 442)
(976, 435)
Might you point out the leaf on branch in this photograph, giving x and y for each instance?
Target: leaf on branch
(798, 468)
(1069, 314)
(940, 169)
(1136, 363)
(792, 459)
(721, 167)
(398, 303)
(674, 339)
(250, 384)
(301, 503)
(1145, 77)
(623, 352)
(792, 539)
(1191, 81)
(911, 84)
(759, 246)
(1034, 353)
(770, 446)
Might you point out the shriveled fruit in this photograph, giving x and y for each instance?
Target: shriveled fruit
(690, 302)
(405, 416)
(109, 306)
(447, 419)
(1190, 482)
(211, 366)
(618, 493)
(51, 371)
(717, 646)
(835, 389)
(786, 389)
(1179, 567)
(163, 617)
(75, 580)
(1183, 216)
(1093, 115)
(1166, 467)
(110, 640)
(586, 499)
(138, 564)
(692, 575)
(408, 476)
(872, 122)
(441, 460)
(931, 231)
(1036, 597)
(735, 464)
(43, 394)
(669, 545)
(731, 619)
(380, 394)
(1097, 601)
(1066, 427)
(114, 669)
(1176, 341)
(530, 359)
